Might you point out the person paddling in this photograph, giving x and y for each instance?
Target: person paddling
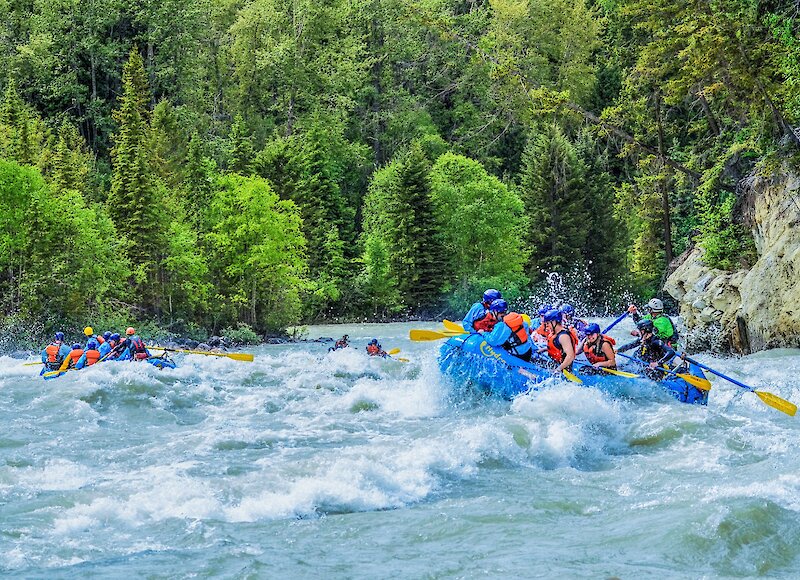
(54, 353)
(374, 348)
(510, 332)
(651, 350)
(133, 347)
(108, 346)
(569, 321)
(72, 358)
(561, 344)
(90, 356)
(341, 343)
(598, 348)
(664, 327)
(478, 319)
(542, 332)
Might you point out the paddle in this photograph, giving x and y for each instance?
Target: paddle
(617, 321)
(614, 372)
(773, 401)
(242, 356)
(699, 382)
(32, 364)
(418, 335)
(454, 326)
(393, 351)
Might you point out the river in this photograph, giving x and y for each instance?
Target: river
(305, 464)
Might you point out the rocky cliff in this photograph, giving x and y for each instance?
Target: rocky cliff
(748, 310)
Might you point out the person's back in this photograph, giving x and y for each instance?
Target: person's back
(55, 353)
(90, 356)
(73, 357)
(513, 334)
(477, 319)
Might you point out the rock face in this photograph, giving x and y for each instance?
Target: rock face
(748, 310)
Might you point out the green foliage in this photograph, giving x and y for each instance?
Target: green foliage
(241, 335)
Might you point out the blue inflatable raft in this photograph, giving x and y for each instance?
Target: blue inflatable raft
(492, 369)
(160, 362)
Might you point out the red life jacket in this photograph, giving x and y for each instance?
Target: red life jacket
(92, 356)
(554, 349)
(519, 335)
(485, 323)
(373, 349)
(594, 352)
(138, 349)
(52, 353)
(100, 340)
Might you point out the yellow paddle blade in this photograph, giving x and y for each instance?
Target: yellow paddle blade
(402, 359)
(453, 326)
(393, 351)
(619, 373)
(776, 402)
(36, 364)
(527, 319)
(243, 356)
(422, 335)
(699, 382)
(572, 377)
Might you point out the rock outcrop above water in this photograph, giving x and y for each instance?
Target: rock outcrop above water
(754, 309)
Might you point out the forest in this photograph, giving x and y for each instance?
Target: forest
(208, 166)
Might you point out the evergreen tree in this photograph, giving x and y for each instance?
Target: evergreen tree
(200, 172)
(241, 152)
(71, 166)
(18, 139)
(417, 256)
(133, 204)
(167, 144)
(553, 186)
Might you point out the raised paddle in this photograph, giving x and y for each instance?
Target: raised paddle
(454, 326)
(242, 356)
(699, 382)
(394, 351)
(617, 321)
(773, 401)
(418, 335)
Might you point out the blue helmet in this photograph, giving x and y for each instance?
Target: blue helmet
(592, 328)
(499, 305)
(568, 309)
(106, 335)
(545, 309)
(552, 315)
(374, 341)
(59, 336)
(114, 336)
(76, 346)
(646, 325)
(91, 345)
(491, 295)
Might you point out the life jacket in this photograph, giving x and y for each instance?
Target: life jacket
(594, 352)
(485, 323)
(100, 340)
(554, 349)
(373, 349)
(92, 356)
(52, 351)
(138, 349)
(75, 355)
(519, 335)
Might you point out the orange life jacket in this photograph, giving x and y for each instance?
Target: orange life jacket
(543, 331)
(92, 356)
(373, 349)
(594, 352)
(100, 340)
(554, 349)
(519, 335)
(485, 323)
(52, 353)
(75, 354)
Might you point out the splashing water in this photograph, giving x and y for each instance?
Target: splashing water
(306, 462)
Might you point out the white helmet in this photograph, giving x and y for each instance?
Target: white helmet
(656, 304)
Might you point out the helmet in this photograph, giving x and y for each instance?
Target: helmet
(374, 341)
(499, 305)
(552, 315)
(656, 304)
(76, 346)
(568, 309)
(491, 295)
(545, 309)
(130, 331)
(106, 335)
(645, 325)
(346, 336)
(592, 328)
(88, 331)
(91, 345)
(59, 336)
(114, 336)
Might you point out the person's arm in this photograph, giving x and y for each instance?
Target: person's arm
(629, 346)
(471, 316)
(609, 352)
(668, 356)
(569, 352)
(634, 313)
(499, 335)
(44, 356)
(81, 361)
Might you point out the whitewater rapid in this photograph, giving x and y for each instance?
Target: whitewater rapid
(305, 463)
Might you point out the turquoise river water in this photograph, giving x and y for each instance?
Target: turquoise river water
(305, 464)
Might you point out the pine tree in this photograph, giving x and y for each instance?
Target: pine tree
(71, 166)
(133, 203)
(199, 178)
(167, 143)
(240, 148)
(553, 189)
(17, 134)
(417, 257)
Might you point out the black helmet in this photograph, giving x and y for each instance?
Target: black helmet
(645, 325)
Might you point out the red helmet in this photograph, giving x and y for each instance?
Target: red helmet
(130, 331)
